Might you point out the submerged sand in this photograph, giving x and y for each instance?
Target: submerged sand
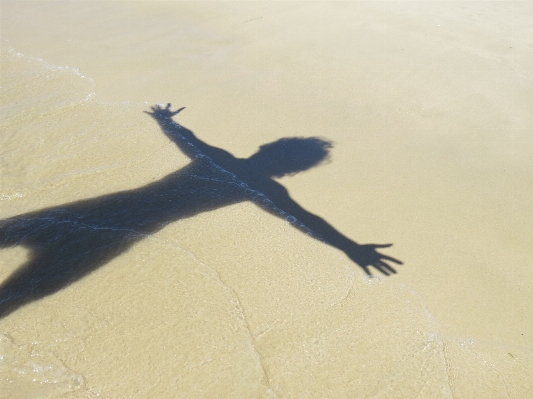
(429, 108)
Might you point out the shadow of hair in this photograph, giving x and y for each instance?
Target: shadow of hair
(291, 155)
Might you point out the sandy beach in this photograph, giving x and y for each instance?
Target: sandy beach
(218, 283)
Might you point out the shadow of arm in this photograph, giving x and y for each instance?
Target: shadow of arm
(184, 138)
(364, 255)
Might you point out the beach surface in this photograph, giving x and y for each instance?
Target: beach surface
(428, 106)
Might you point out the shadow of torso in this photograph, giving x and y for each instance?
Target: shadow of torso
(70, 241)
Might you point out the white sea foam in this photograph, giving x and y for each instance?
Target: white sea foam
(36, 68)
(26, 372)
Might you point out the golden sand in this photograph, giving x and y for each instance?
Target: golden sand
(429, 108)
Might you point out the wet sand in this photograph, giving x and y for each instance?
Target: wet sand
(428, 106)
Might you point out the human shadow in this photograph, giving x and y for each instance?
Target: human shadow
(68, 242)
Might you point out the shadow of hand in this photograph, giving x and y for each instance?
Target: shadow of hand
(159, 112)
(367, 255)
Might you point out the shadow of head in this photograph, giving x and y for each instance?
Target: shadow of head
(289, 155)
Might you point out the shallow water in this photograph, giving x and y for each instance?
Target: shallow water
(432, 153)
